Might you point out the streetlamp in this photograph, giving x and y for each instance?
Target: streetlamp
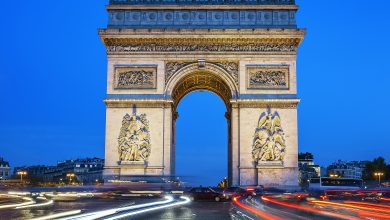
(379, 174)
(70, 175)
(22, 173)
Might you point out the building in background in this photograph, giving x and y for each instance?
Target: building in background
(345, 169)
(86, 170)
(5, 169)
(82, 170)
(307, 167)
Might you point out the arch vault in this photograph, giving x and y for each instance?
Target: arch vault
(250, 63)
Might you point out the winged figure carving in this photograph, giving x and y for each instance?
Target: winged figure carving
(269, 143)
(134, 138)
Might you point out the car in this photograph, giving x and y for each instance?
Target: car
(231, 192)
(258, 191)
(204, 193)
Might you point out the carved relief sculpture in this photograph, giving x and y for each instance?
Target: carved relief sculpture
(268, 77)
(172, 67)
(231, 67)
(201, 47)
(135, 77)
(134, 138)
(269, 143)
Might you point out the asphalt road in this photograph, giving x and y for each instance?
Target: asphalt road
(203, 210)
(86, 205)
(198, 210)
(125, 206)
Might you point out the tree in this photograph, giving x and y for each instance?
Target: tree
(376, 165)
(305, 156)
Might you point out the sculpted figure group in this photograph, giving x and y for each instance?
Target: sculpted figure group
(128, 79)
(134, 138)
(268, 142)
(268, 78)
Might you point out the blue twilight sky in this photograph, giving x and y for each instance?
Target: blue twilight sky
(53, 79)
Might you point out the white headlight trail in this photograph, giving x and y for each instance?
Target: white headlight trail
(100, 214)
(58, 215)
(18, 193)
(186, 200)
(30, 201)
(36, 205)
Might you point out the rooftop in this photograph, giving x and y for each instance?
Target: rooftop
(202, 2)
(3, 162)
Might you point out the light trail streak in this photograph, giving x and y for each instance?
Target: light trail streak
(254, 210)
(373, 214)
(387, 207)
(100, 214)
(362, 213)
(9, 196)
(364, 207)
(307, 209)
(18, 193)
(385, 199)
(58, 215)
(30, 201)
(186, 200)
(36, 205)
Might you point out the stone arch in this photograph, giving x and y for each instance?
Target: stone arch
(213, 78)
(201, 77)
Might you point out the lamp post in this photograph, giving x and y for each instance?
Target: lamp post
(70, 175)
(21, 173)
(379, 174)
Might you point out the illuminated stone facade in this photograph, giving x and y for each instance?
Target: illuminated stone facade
(245, 52)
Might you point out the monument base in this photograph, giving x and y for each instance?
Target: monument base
(133, 163)
(279, 178)
(270, 164)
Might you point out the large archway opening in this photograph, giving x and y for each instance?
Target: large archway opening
(201, 156)
(201, 139)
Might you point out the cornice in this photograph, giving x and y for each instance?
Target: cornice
(235, 103)
(201, 33)
(126, 103)
(124, 41)
(265, 103)
(202, 7)
(127, 41)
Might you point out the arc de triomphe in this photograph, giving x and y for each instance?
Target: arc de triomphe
(242, 50)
